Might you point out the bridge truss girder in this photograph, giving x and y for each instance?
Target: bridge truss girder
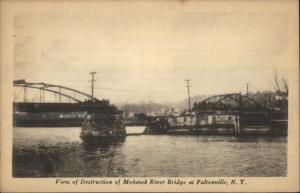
(51, 88)
(215, 103)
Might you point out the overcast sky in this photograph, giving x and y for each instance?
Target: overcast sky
(148, 55)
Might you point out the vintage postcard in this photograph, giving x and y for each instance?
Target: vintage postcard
(149, 96)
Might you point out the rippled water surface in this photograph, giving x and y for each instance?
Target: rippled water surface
(59, 152)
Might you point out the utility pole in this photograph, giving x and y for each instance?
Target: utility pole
(247, 85)
(188, 87)
(25, 93)
(92, 81)
(59, 94)
(40, 95)
(43, 92)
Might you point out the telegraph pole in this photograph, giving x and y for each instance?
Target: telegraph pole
(247, 85)
(40, 95)
(188, 88)
(25, 93)
(92, 81)
(59, 94)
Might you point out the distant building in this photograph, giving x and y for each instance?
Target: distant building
(182, 120)
(128, 114)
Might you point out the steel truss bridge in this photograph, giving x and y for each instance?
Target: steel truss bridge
(78, 101)
(42, 113)
(229, 102)
(58, 90)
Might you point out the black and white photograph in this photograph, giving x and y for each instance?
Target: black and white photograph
(127, 89)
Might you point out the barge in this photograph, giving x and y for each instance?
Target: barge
(218, 123)
(230, 114)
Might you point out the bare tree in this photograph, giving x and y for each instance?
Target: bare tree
(275, 76)
(281, 87)
(285, 86)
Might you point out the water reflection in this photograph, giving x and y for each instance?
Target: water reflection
(69, 160)
(96, 144)
(61, 153)
(102, 158)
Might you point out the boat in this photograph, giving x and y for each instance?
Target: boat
(103, 125)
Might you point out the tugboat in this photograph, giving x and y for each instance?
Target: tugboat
(103, 125)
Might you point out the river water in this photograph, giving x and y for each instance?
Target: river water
(59, 152)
